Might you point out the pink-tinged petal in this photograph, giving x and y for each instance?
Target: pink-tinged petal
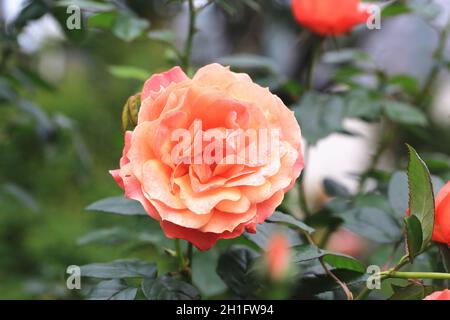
(116, 176)
(158, 82)
(266, 208)
(183, 217)
(203, 203)
(201, 240)
(124, 160)
(157, 185)
(171, 98)
(142, 143)
(133, 190)
(224, 221)
(298, 167)
(284, 177)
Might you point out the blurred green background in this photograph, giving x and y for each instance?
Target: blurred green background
(60, 114)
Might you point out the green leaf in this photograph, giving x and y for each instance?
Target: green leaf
(362, 104)
(106, 236)
(309, 252)
(335, 189)
(168, 288)
(265, 231)
(129, 72)
(113, 290)
(103, 20)
(411, 292)
(21, 195)
(340, 261)
(395, 9)
(372, 200)
(235, 268)
(119, 235)
(345, 56)
(119, 205)
(129, 28)
(119, 269)
(406, 83)
(315, 280)
(306, 252)
(421, 197)
(277, 216)
(398, 193)
(372, 223)
(404, 113)
(413, 236)
(204, 275)
(320, 115)
(165, 36)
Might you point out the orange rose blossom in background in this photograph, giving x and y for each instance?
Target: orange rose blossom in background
(441, 231)
(439, 295)
(203, 201)
(330, 17)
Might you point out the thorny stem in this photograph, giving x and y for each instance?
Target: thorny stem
(342, 284)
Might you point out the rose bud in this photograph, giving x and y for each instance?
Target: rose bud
(278, 256)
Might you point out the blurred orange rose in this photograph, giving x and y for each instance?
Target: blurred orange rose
(439, 295)
(200, 161)
(277, 256)
(329, 17)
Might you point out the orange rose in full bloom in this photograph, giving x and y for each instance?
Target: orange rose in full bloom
(329, 17)
(439, 295)
(211, 156)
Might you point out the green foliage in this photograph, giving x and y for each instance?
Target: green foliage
(236, 269)
(168, 288)
(119, 205)
(115, 289)
(119, 269)
(412, 292)
(320, 115)
(421, 197)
